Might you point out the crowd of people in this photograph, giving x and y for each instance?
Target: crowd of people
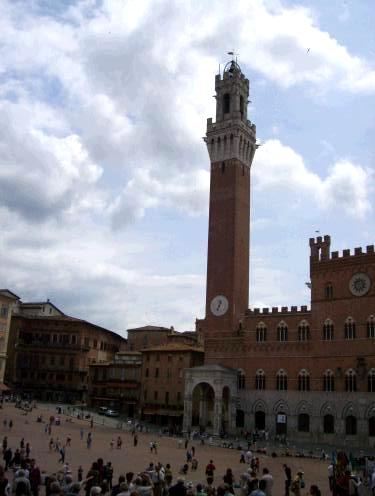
(20, 474)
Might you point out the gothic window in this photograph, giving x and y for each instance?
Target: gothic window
(329, 424)
(371, 327)
(328, 291)
(351, 425)
(371, 381)
(371, 426)
(241, 380)
(226, 103)
(349, 328)
(242, 106)
(261, 332)
(222, 167)
(328, 330)
(350, 381)
(282, 332)
(260, 380)
(303, 422)
(328, 381)
(281, 380)
(303, 331)
(303, 381)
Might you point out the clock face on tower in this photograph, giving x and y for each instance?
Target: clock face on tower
(359, 284)
(219, 305)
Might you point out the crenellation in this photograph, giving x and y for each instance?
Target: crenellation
(336, 255)
(276, 310)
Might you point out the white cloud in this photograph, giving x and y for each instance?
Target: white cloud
(188, 193)
(347, 187)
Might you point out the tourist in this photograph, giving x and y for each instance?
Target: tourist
(269, 481)
(315, 491)
(330, 476)
(124, 489)
(116, 489)
(119, 442)
(135, 440)
(108, 474)
(288, 479)
(168, 475)
(4, 484)
(179, 488)
(89, 440)
(34, 478)
(20, 478)
(261, 491)
(229, 479)
(200, 491)
(210, 470)
(80, 473)
(8, 455)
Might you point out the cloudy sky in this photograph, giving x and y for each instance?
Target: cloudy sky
(104, 175)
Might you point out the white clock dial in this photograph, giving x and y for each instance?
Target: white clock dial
(359, 284)
(219, 305)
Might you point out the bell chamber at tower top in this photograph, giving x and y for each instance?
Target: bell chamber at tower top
(232, 136)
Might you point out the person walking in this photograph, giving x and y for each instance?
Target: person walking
(34, 478)
(269, 481)
(210, 470)
(288, 479)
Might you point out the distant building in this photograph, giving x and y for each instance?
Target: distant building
(147, 336)
(117, 384)
(8, 301)
(49, 353)
(163, 379)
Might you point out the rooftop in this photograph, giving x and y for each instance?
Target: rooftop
(174, 347)
(150, 328)
(9, 294)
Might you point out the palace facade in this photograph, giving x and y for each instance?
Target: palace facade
(304, 373)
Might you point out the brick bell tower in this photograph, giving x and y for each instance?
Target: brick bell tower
(231, 147)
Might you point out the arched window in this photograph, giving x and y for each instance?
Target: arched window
(350, 381)
(226, 103)
(328, 381)
(303, 381)
(282, 332)
(328, 291)
(281, 380)
(261, 332)
(303, 422)
(371, 327)
(328, 330)
(351, 425)
(371, 426)
(260, 380)
(349, 328)
(329, 424)
(371, 381)
(303, 331)
(241, 379)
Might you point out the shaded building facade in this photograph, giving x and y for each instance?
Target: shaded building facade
(49, 356)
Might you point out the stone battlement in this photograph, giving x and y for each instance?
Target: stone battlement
(277, 310)
(320, 250)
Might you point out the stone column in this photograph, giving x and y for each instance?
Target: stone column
(187, 413)
(232, 415)
(202, 410)
(218, 415)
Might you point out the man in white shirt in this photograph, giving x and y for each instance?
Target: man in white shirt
(269, 481)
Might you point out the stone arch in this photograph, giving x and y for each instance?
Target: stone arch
(304, 407)
(203, 399)
(328, 408)
(281, 405)
(370, 411)
(260, 405)
(350, 409)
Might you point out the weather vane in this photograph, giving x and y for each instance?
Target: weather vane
(233, 53)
